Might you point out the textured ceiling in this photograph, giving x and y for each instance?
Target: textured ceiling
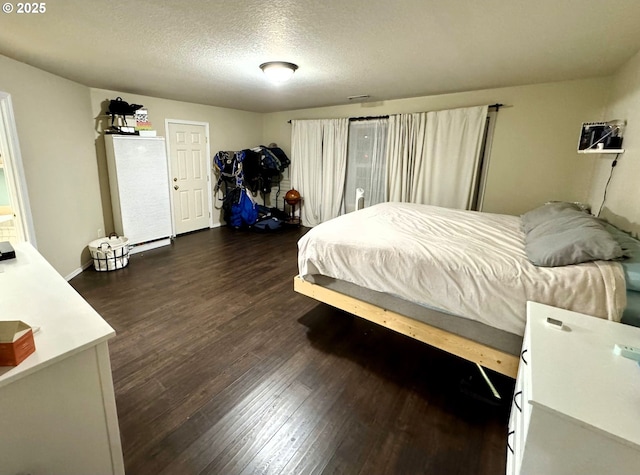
(208, 52)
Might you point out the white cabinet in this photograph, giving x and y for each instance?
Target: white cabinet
(576, 406)
(139, 183)
(57, 407)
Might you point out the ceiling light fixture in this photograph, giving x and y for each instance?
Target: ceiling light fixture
(278, 71)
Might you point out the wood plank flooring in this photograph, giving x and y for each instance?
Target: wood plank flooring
(220, 368)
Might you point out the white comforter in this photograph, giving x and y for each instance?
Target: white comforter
(462, 262)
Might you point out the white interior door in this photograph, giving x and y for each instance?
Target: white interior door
(188, 157)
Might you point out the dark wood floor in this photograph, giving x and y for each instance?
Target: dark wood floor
(219, 367)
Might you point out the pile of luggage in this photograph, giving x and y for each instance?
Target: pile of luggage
(244, 174)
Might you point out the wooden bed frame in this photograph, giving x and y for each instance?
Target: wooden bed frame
(486, 356)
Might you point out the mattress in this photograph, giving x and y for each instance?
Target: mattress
(471, 329)
(463, 263)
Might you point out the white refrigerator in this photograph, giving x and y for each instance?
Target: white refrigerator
(139, 183)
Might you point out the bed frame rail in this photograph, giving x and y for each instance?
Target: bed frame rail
(470, 350)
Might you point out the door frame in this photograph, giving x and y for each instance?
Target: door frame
(14, 171)
(208, 151)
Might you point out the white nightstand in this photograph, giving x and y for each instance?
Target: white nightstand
(576, 405)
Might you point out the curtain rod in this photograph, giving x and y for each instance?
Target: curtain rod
(369, 117)
(495, 106)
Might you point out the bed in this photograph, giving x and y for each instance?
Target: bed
(459, 280)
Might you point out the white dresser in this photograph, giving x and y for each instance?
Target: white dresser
(57, 408)
(576, 405)
(139, 183)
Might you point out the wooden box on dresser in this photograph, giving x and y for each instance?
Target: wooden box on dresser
(576, 405)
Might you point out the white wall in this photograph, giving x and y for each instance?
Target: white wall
(534, 155)
(533, 158)
(64, 159)
(53, 120)
(229, 130)
(622, 205)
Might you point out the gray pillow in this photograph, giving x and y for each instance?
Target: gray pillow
(571, 237)
(544, 213)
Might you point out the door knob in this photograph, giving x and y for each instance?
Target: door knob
(175, 187)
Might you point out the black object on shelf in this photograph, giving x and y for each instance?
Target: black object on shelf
(6, 251)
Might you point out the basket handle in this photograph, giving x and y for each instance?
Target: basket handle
(102, 248)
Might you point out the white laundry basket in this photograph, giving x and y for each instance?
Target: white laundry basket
(110, 253)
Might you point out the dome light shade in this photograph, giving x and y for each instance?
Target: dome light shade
(278, 71)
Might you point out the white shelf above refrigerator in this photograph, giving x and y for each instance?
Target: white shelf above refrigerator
(603, 150)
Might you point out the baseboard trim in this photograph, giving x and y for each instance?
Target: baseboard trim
(79, 270)
(134, 249)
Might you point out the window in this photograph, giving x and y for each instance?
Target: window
(366, 166)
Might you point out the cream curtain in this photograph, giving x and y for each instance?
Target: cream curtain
(433, 157)
(404, 148)
(318, 167)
